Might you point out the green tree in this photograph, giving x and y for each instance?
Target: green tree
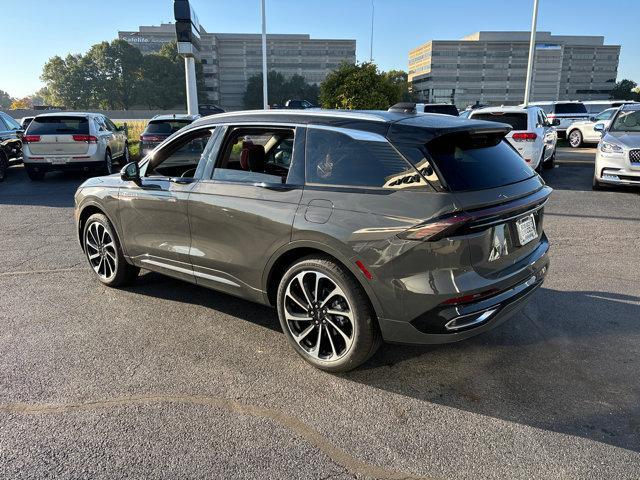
(161, 85)
(399, 80)
(623, 90)
(170, 51)
(358, 86)
(72, 81)
(5, 99)
(280, 89)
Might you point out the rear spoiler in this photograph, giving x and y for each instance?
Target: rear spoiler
(423, 129)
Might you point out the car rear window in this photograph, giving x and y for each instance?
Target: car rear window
(444, 109)
(59, 126)
(335, 158)
(166, 127)
(518, 121)
(570, 108)
(477, 162)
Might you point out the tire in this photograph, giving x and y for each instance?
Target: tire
(549, 164)
(126, 157)
(34, 175)
(328, 341)
(538, 168)
(596, 185)
(104, 254)
(4, 165)
(575, 138)
(107, 165)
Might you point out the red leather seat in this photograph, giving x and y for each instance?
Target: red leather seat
(252, 157)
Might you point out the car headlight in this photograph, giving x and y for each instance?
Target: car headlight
(613, 148)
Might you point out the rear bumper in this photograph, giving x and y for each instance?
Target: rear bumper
(90, 163)
(446, 324)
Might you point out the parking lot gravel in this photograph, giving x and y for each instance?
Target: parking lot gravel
(168, 380)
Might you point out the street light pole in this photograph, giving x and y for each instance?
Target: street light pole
(265, 97)
(373, 11)
(532, 52)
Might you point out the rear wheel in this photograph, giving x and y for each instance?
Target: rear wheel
(126, 157)
(575, 138)
(4, 164)
(104, 254)
(34, 174)
(326, 315)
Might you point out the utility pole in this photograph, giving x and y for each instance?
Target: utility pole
(373, 11)
(265, 96)
(532, 52)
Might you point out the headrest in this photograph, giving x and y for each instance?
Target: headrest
(252, 157)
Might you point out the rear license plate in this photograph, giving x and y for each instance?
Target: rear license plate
(527, 231)
(58, 160)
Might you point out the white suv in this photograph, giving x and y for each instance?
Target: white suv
(583, 132)
(73, 141)
(533, 135)
(567, 112)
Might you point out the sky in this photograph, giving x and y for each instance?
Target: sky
(41, 29)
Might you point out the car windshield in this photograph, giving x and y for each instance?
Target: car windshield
(626, 122)
(571, 108)
(58, 126)
(518, 121)
(166, 127)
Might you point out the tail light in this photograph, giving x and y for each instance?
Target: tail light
(524, 136)
(85, 138)
(150, 138)
(436, 229)
(31, 138)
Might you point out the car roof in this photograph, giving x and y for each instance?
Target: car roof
(176, 116)
(509, 109)
(68, 114)
(391, 124)
(629, 107)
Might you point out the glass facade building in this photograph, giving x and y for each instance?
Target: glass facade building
(490, 68)
(230, 59)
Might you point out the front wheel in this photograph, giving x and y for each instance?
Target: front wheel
(107, 165)
(326, 315)
(596, 185)
(102, 248)
(549, 164)
(575, 138)
(4, 164)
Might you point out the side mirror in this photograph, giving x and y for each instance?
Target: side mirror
(130, 172)
(592, 119)
(556, 122)
(599, 127)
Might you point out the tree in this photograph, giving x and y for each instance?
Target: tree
(170, 51)
(72, 81)
(161, 85)
(280, 89)
(623, 90)
(399, 79)
(22, 103)
(5, 99)
(358, 86)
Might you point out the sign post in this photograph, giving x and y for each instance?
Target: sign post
(532, 53)
(188, 37)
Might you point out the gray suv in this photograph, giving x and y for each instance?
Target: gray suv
(357, 227)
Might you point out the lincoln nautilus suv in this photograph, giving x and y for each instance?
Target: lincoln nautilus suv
(357, 227)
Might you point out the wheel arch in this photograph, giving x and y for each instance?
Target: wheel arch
(85, 212)
(286, 256)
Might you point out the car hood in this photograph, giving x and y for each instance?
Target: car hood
(627, 139)
(113, 180)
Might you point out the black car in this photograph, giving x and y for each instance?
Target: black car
(208, 109)
(410, 107)
(10, 142)
(160, 127)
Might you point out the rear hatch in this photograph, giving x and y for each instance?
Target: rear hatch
(519, 137)
(58, 136)
(500, 199)
(158, 130)
(568, 113)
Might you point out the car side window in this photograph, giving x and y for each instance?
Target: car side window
(181, 157)
(256, 155)
(110, 125)
(606, 115)
(100, 124)
(3, 125)
(10, 122)
(342, 157)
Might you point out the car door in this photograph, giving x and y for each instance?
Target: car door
(589, 134)
(153, 213)
(117, 141)
(9, 140)
(244, 212)
(548, 133)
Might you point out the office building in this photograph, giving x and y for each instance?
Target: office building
(490, 68)
(230, 59)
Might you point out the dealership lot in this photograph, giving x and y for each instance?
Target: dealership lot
(168, 380)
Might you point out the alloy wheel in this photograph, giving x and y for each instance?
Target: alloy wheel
(101, 251)
(574, 138)
(319, 316)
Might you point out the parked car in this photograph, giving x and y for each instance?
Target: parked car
(161, 127)
(618, 153)
(566, 112)
(209, 109)
(73, 141)
(580, 133)
(408, 228)
(10, 143)
(25, 121)
(532, 134)
(297, 104)
(410, 107)
(594, 107)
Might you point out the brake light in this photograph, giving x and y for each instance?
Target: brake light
(524, 136)
(436, 229)
(31, 138)
(85, 138)
(150, 138)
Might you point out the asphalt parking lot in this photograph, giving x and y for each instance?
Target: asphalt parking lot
(168, 380)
